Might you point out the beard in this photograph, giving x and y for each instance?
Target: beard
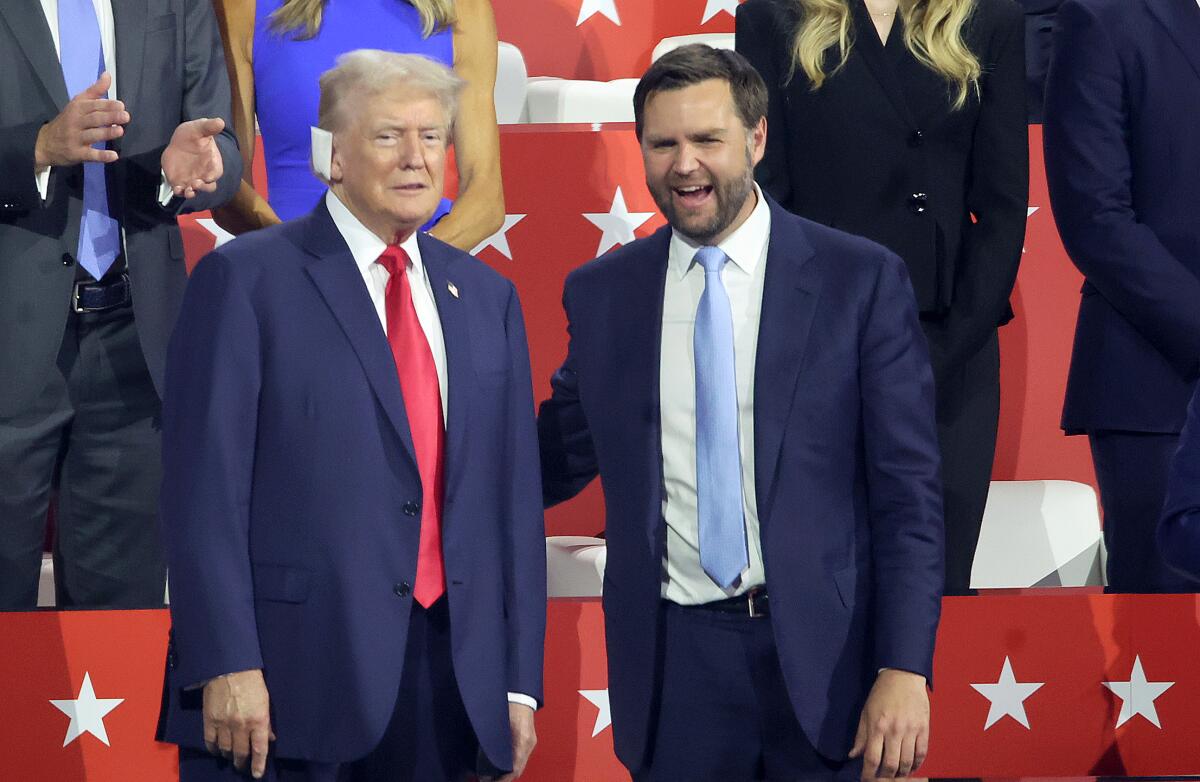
(730, 196)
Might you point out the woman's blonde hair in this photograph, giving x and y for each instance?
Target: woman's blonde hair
(303, 17)
(932, 32)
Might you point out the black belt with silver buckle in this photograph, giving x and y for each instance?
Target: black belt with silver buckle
(752, 603)
(103, 295)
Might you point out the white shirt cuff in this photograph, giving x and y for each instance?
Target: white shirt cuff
(524, 700)
(165, 193)
(42, 178)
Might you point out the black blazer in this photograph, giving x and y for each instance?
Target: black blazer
(877, 151)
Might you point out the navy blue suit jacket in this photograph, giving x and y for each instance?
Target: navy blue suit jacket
(846, 463)
(290, 505)
(1122, 104)
(1179, 531)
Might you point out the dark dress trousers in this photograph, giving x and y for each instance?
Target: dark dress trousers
(292, 503)
(846, 482)
(80, 392)
(1123, 165)
(1179, 530)
(878, 151)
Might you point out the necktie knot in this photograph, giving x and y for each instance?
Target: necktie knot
(394, 259)
(711, 258)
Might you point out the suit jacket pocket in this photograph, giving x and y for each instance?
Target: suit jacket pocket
(281, 583)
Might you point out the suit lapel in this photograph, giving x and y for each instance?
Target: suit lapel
(791, 290)
(1182, 20)
(637, 339)
(439, 265)
(29, 27)
(334, 272)
(129, 19)
(871, 51)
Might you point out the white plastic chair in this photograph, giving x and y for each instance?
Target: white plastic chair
(574, 100)
(715, 40)
(575, 566)
(1038, 534)
(511, 74)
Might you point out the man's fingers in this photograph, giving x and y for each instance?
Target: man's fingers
(211, 126)
(921, 747)
(102, 111)
(210, 736)
(100, 134)
(224, 741)
(241, 747)
(98, 88)
(259, 745)
(93, 155)
(873, 755)
(860, 738)
(890, 762)
(908, 745)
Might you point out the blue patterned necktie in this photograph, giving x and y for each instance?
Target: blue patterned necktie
(82, 61)
(723, 553)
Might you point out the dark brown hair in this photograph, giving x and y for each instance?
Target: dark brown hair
(699, 62)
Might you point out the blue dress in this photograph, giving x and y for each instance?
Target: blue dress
(286, 76)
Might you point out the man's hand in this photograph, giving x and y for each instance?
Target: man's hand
(893, 731)
(237, 719)
(524, 737)
(192, 161)
(89, 118)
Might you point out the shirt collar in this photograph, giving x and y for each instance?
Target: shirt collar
(743, 247)
(364, 245)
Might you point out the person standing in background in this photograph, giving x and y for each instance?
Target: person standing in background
(276, 51)
(1039, 42)
(905, 123)
(114, 119)
(1123, 165)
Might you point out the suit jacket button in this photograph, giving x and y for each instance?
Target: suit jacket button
(411, 509)
(918, 203)
(916, 138)
(402, 589)
(67, 260)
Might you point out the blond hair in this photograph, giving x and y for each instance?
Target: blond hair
(364, 73)
(932, 32)
(303, 17)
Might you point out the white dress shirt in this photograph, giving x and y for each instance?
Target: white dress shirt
(743, 276)
(108, 43)
(366, 248)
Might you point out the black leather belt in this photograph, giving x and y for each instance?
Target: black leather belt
(752, 603)
(99, 296)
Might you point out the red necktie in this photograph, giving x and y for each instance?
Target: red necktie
(423, 404)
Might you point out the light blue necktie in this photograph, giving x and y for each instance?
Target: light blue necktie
(723, 553)
(82, 59)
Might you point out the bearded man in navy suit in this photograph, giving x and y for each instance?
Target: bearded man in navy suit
(351, 476)
(755, 392)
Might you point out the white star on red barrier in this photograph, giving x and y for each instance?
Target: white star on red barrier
(1007, 696)
(87, 712)
(617, 224)
(499, 240)
(589, 8)
(714, 7)
(599, 699)
(1138, 695)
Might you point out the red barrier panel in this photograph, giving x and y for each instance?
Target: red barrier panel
(1034, 685)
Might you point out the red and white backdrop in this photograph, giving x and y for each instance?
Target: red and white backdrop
(1026, 685)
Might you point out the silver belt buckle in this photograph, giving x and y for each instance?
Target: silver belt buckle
(75, 298)
(750, 603)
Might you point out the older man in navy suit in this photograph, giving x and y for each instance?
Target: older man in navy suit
(755, 393)
(1122, 107)
(351, 505)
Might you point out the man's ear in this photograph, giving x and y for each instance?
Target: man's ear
(758, 140)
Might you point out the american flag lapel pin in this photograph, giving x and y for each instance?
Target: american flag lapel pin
(453, 289)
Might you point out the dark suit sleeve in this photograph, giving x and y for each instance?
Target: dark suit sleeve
(758, 39)
(525, 566)
(997, 195)
(1090, 174)
(1179, 530)
(205, 94)
(18, 185)
(904, 490)
(210, 419)
(567, 453)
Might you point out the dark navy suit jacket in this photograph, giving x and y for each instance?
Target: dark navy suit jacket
(1122, 162)
(846, 464)
(291, 500)
(1179, 531)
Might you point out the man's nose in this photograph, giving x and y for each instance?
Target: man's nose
(412, 152)
(686, 160)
